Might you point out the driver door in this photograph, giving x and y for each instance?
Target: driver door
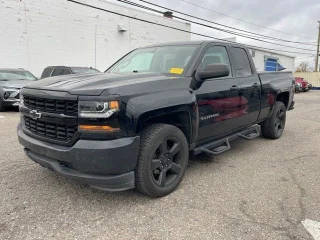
(219, 101)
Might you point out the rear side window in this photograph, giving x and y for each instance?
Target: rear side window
(46, 72)
(241, 63)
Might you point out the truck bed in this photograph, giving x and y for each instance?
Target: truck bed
(276, 80)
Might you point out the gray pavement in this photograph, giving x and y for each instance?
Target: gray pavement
(261, 189)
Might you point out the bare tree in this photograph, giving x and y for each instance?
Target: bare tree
(303, 67)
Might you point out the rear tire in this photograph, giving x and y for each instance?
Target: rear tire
(273, 127)
(162, 161)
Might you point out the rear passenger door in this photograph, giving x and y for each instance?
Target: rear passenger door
(249, 83)
(218, 98)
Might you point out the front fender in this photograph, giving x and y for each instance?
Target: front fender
(155, 104)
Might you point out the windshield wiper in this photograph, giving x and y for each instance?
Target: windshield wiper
(3, 79)
(135, 71)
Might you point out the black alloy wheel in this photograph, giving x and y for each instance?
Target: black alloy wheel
(163, 158)
(280, 120)
(166, 162)
(273, 126)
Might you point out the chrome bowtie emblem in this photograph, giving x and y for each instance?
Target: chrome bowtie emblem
(34, 114)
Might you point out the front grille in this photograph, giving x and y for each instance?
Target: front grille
(67, 107)
(50, 130)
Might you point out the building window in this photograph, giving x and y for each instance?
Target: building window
(270, 64)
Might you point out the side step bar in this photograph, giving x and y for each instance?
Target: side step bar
(216, 150)
(223, 145)
(250, 133)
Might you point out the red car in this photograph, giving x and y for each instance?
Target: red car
(302, 85)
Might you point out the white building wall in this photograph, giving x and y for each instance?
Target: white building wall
(285, 61)
(36, 34)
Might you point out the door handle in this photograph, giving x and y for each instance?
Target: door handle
(234, 87)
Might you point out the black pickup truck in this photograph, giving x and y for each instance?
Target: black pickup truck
(135, 124)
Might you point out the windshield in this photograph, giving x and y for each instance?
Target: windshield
(7, 75)
(163, 59)
(84, 70)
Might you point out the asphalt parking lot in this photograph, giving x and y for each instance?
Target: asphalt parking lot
(261, 189)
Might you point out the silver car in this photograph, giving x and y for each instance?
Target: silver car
(11, 81)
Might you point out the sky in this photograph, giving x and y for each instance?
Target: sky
(294, 20)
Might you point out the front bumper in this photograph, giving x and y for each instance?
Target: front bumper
(106, 165)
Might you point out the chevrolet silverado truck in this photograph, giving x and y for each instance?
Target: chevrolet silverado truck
(135, 125)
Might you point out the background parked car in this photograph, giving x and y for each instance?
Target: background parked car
(64, 70)
(298, 87)
(304, 85)
(11, 81)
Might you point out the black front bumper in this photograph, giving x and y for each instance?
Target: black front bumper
(106, 165)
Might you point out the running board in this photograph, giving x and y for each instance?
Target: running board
(250, 133)
(216, 150)
(223, 145)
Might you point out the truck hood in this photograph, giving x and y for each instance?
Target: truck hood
(15, 83)
(94, 84)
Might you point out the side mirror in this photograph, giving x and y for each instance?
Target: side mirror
(213, 71)
(210, 71)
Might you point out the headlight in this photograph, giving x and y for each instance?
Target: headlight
(9, 91)
(97, 109)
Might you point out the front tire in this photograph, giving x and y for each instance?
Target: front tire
(273, 127)
(163, 159)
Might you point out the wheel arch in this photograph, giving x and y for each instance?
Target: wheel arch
(284, 97)
(180, 116)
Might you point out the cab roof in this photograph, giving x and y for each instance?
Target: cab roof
(193, 42)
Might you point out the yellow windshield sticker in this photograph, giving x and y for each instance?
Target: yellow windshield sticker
(176, 70)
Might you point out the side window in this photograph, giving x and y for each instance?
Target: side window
(215, 55)
(241, 63)
(46, 72)
(58, 71)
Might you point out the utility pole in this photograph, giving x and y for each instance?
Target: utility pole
(318, 47)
